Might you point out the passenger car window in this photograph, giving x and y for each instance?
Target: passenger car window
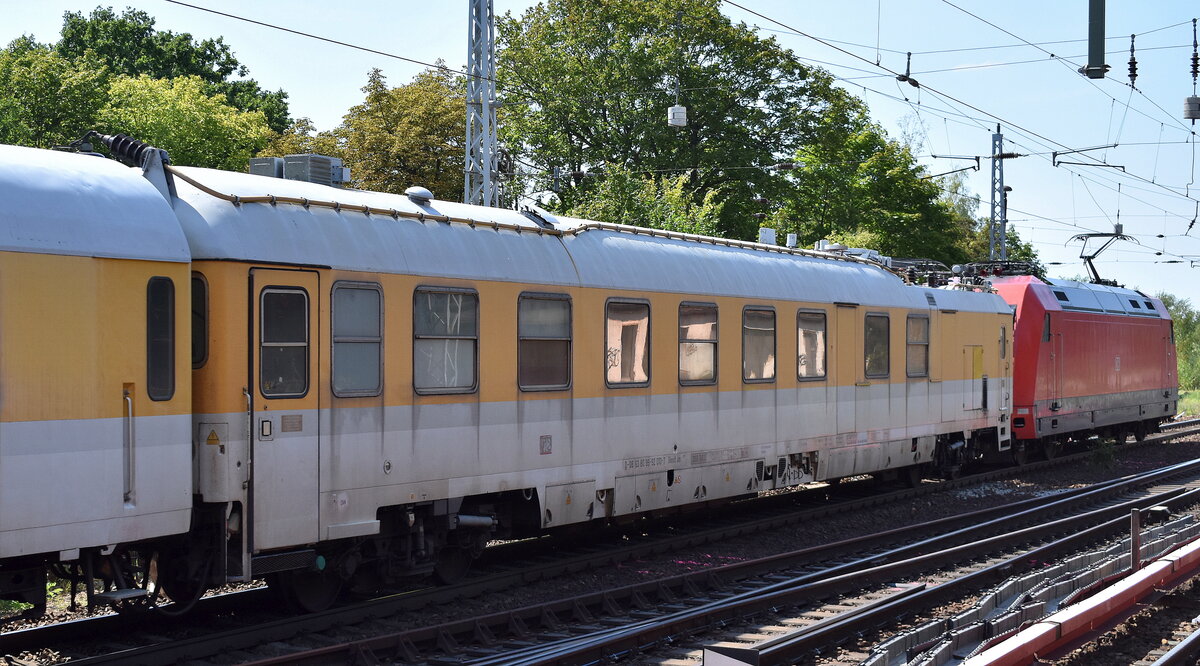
(917, 346)
(697, 344)
(875, 336)
(160, 338)
(283, 357)
(627, 344)
(758, 345)
(544, 342)
(810, 352)
(357, 339)
(445, 340)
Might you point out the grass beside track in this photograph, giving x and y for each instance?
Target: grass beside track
(1189, 403)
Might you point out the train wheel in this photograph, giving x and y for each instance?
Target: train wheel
(182, 583)
(452, 565)
(1139, 432)
(1051, 448)
(307, 590)
(1020, 455)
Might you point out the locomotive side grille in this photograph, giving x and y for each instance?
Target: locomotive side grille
(299, 559)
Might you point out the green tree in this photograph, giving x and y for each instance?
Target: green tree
(408, 135)
(965, 208)
(660, 202)
(589, 83)
(854, 185)
(178, 115)
(129, 44)
(45, 99)
(302, 137)
(1186, 323)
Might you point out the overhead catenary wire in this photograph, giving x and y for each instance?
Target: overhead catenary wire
(944, 95)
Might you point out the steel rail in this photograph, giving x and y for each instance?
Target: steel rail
(1185, 653)
(838, 581)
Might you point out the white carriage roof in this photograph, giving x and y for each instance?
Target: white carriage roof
(64, 203)
(378, 232)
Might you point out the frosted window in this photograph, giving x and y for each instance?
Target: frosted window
(697, 344)
(446, 332)
(917, 349)
(357, 340)
(878, 356)
(758, 345)
(810, 336)
(544, 346)
(627, 343)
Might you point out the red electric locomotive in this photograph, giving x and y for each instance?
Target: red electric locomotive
(1089, 359)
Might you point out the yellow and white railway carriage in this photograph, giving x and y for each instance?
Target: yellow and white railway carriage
(95, 392)
(381, 383)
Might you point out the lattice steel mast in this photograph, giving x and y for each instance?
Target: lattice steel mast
(480, 183)
(997, 224)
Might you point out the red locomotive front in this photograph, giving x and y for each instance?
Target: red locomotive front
(1090, 359)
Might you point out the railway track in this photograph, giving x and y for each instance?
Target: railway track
(966, 553)
(651, 600)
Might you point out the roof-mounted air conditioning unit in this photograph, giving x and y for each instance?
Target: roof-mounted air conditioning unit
(309, 167)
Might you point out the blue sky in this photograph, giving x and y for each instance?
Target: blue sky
(1040, 101)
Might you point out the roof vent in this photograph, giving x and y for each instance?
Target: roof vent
(309, 167)
(419, 195)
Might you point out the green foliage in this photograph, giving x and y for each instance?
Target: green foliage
(589, 84)
(1186, 323)
(10, 606)
(129, 44)
(408, 135)
(1104, 454)
(1189, 403)
(396, 138)
(177, 115)
(46, 99)
(855, 185)
(660, 202)
(302, 137)
(965, 207)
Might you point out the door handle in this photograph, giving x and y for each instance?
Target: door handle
(128, 445)
(249, 436)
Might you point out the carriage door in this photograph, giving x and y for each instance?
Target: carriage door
(284, 354)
